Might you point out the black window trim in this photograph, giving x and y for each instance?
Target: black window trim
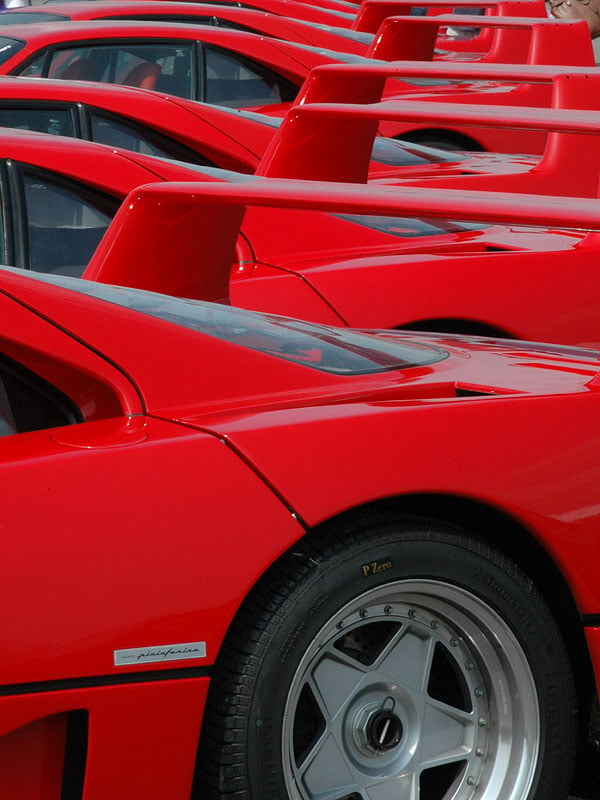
(20, 225)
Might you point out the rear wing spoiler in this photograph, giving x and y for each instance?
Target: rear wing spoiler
(372, 13)
(517, 40)
(365, 83)
(180, 238)
(334, 142)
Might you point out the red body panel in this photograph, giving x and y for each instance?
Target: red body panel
(334, 142)
(517, 40)
(372, 13)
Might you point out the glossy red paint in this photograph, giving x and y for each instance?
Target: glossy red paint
(156, 536)
(230, 139)
(488, 85)
(250, 20)
(517, 40)
(342, 12)
(334, 142)
(31, 43)
(372, 13)
(389, 284)
(50, 50)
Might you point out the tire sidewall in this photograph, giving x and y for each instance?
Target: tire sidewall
(329, 579)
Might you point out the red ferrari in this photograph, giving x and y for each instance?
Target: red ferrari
(283, 8)
(453, 270)
(399, 600)
(216, 65)
(332, 267)
(171, 127)
(372, 13)
(218, 15)
(334, 142)
(235, 68)
(486, 84)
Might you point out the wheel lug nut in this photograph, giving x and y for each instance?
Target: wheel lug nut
(481, 722)
(478, 692)
(479, 752)
(388, 610)
(363, 613)
(412, 613)
(435, 624)
(471, 780)
(469, 665)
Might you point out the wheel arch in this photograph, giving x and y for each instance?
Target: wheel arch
(503, 532)
(516, 541)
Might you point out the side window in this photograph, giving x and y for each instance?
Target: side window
(234, 81)
(45, 120)
(64, 223)
(73, 63)
(28, 403)
(118, 132)
(165, 67)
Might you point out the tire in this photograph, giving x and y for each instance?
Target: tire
(397, 661)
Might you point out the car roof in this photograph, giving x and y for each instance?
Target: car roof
(42, 34)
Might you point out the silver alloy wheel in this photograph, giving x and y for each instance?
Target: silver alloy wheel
(416, 690)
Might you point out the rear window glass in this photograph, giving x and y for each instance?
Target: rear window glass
(340, 351)
(411, 227)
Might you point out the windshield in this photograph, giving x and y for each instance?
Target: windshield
(340, 351)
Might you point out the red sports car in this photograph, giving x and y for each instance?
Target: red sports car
(284, 8)
(442, 260)
(334, 142)
(485, 84)
(372, 13)
(218, 65)
(243, 19)
(515, 40)
(247, 557)
(186, 130)
(228, 67)
(60, 196)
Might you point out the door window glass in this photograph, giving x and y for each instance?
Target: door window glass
(64, 224)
